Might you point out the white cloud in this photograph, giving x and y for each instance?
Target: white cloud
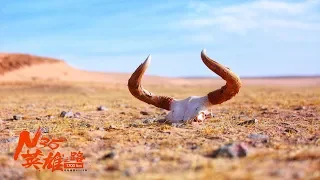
(263, 15)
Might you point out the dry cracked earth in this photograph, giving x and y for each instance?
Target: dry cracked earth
(274, 133)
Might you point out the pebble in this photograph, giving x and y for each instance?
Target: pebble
(102, 108)
(112, 127)
(100, 128)
(291, 130)
(133, 125)
(85, 124)
(149, 121)
(65, 114)
(144, 113)
(299, 108)
(232, 150)
(259, 137)
(111, 167)
(49, 116)
(17, 117)
(9, 140)
(77, 115)
(44, 130)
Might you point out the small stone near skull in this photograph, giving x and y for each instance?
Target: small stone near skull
(102, 108)
(65, 114)
(77, 115)
(232, 150)
(17, 117)
(144, 113)
(259, 138)
(149, 121)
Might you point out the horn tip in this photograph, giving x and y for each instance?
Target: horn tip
(148, 60)
(204, 51)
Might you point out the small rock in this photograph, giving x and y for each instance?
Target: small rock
(111, 167)
(17, 117)
(112, 127)
(144, 113)
(178, 125)
(9, 140)
(262, 108)
(232, 150)
(102, 108)
(100, 128)
(65, 114)
(299, 108)
(249, 122)
(85, 124)
(133, 125)
(194, 147)
(209, 115)
(49, 116)
(123, 113)
(149, 121)
(291, 130)
(110, 155)
(44, 130)
(128, 172)
(77, 115)
(259, 137)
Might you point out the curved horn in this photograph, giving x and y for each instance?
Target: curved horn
(227, 91)
(135, 88)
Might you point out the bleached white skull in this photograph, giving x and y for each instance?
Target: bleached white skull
(194, 107)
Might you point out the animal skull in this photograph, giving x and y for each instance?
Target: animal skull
(194, 107)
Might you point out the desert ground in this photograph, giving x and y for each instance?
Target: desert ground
(277, 120)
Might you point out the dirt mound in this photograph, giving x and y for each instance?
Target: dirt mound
(10, 62)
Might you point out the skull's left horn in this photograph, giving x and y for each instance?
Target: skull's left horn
(232, 86)
(135, 88)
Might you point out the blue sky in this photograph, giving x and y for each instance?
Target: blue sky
(253, 38)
